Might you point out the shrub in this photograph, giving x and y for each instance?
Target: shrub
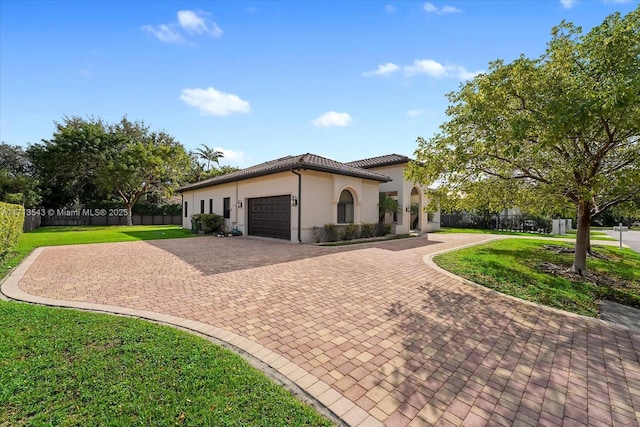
(11, 220)
(211, 223)
(367, 230)
(330, 232)
(349, 232)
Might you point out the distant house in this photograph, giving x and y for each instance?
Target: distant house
(285, 198)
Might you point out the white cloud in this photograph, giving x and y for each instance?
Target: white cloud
(198, 23)
(191, 22)
(567, 4)
(431, 8)
(390, 8)
(231, 156)
(426, 66)
(213, 102)
(332, 119)
(384, 69)
(164, 33)
(437, 70)
(415, 113)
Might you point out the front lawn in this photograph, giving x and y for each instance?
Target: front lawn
(65, 367)
(77, 235)
(536, 270)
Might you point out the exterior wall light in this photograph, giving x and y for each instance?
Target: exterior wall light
(294, 201)
(239, 204)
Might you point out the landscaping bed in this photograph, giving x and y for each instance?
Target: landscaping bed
(538, 271)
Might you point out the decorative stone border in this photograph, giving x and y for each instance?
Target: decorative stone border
(305, 386)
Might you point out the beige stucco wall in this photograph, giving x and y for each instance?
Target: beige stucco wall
(318, 201)
(403, 187)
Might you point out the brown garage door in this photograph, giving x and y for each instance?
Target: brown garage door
(270, 217)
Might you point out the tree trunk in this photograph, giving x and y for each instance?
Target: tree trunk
(582, 239)
(129, 216)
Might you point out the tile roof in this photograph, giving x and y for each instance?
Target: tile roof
(305, 162)
(374, 162)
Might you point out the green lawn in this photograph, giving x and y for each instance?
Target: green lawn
(595, 234)
(77, 235)
(520, 268)
(66, 367)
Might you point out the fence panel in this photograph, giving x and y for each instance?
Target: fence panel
(31, 222)
(523, 223)
(68, 220)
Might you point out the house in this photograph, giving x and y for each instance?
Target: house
(285, 198)
(410, 196)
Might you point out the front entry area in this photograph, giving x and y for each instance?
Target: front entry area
(270, 217)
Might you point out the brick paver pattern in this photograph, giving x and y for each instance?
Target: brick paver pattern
(408, 344)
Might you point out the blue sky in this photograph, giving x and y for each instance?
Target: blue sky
(261, 80)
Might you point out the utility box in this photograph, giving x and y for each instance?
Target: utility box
(558, 226)
(568, 224)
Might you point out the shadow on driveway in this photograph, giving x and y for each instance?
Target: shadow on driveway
(213, 255)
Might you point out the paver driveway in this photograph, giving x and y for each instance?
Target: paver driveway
(372, 325)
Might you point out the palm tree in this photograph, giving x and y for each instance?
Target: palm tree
(386, 205)
(209, 154)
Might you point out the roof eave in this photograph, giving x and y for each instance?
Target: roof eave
(296, 166)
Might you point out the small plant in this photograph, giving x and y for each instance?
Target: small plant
(330, 232)
(196, 222)
(350, 232)
(367, 230)
(211, 223)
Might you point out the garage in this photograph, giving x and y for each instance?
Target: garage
(270, 217)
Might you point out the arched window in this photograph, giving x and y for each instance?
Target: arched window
(345, 208)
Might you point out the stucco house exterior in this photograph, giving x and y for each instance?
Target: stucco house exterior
(405, 192)
(285, 198)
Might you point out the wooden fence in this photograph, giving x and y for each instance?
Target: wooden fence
(33, 222)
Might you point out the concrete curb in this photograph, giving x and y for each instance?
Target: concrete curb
(307, 387)
(428, 260)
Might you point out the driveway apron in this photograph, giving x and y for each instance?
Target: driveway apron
(391, 338)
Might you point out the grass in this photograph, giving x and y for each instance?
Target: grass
(77, 235)
(595, 234)
(513, 267)
(65, 367)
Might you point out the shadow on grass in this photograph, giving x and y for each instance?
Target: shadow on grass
(159, 234)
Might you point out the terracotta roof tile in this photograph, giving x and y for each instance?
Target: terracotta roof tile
(374, 162)
(304, 161)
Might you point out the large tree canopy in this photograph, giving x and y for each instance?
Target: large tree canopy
(542, 133)
(88, 160)
(66, 164)
(17, 184)
(140, 161)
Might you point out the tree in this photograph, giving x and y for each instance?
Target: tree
(139, 162)
(543, 133)
(17, 184)
(387, 205)
(66, 164)
(222, 170)
(209, 154)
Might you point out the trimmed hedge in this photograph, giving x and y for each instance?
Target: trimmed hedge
(11, 220)
(340, 232)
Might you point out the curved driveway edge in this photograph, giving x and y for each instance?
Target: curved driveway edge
(307, 387)
(371, 331)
